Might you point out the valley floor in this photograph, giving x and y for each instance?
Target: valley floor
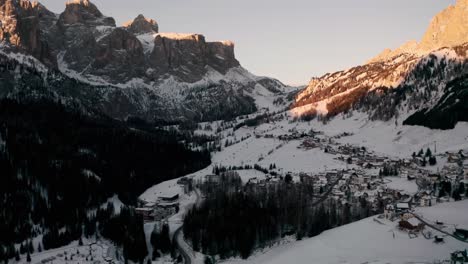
(365, 241)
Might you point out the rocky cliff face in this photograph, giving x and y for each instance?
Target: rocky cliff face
(19, 25)
(187, 56)
(449, 28)
(84, 12)
(397, 82)
(133, 70)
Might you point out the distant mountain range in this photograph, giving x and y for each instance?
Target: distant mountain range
(420, 83)
(128, 71)
(135, 71)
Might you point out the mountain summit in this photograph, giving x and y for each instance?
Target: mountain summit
(425, 75)
(128, 71)
(447, 29)
(142, 25)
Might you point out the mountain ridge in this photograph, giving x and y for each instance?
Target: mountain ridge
(427, 67)
(170, 73)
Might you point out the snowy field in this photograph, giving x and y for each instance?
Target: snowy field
(368, 241)
(91, 252)
(402, 184)
(395, 141)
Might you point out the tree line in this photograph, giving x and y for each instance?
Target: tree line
(235, 219)
(58, 163)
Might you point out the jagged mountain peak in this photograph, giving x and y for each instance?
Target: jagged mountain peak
(134, 70)
(448, 28)
(84, 12)
(84, 3)
(410, 77)
(142, 25)
(411, 47)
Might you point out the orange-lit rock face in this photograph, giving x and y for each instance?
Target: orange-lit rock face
(173, 52)
(448, 28)
(19, 25)
(337, 92)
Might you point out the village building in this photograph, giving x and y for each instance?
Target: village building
(168, 198)
(146, 212)
(427, 200)
(212, 179)
(411, 224)
(465, 170)
(403, 207)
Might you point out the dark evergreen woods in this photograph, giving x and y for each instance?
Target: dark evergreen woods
(451, 108)
(234, 220)
(57, 163)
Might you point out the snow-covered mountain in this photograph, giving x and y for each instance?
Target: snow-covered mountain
(132, 70)
(401, 82)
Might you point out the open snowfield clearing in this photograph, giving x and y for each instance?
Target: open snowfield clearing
(246, 152)
(246, 175)
(402, 184)
(395, 141)
(455, 213)
(290, 158)
(368, 241)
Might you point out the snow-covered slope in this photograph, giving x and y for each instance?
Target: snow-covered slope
(369, 241)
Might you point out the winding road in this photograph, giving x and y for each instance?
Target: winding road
(183, 247)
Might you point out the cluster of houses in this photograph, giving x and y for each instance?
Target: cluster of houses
(166, 204)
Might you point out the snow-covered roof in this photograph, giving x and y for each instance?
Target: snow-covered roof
(414, 221)
(403, 205)
(144, 209)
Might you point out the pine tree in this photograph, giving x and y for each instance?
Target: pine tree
(31, 247)
(456, 195)
(22, 248)
(420, 153)
(428, 152)
(28, 257)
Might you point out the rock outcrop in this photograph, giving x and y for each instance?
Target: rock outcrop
(19, 26)
(142, 25)
(188, 55)
(84, 12)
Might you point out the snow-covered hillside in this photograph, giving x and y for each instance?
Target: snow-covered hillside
(365, 241)
(370, 241)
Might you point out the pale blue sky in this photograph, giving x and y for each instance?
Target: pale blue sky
(292, 40)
